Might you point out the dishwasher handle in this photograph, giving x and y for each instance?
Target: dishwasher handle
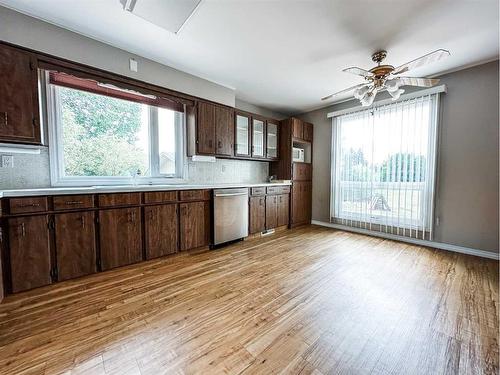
(230, 194)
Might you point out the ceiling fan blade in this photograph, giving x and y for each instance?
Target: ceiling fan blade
(344, 91)
(358, 71)
(421, 61)
(422, 82)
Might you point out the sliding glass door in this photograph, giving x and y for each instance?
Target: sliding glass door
(384, 166)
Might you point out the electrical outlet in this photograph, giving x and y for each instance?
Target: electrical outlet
(7, 161)
(133, 65)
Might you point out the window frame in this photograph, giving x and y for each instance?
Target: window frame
(56, 154)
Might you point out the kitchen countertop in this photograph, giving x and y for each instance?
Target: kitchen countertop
(127, 188)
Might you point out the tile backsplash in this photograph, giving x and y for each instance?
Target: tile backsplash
(32, 171)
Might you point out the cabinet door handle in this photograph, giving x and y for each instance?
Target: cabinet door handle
(30, 205)
(133, 216)
(6, 118)
(73, 202)
(23, 230)
(219, 144)
(82, 219)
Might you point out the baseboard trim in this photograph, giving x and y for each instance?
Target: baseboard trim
(415, 241)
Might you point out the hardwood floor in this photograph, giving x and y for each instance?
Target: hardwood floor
(306, 301)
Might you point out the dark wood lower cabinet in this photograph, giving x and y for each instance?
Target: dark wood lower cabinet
(271, 211)
(257, 214)
(160, 228)
(194, 225)
(301, 202)
(75, 244)
(283, 209)
(120, 237)
(29, 254)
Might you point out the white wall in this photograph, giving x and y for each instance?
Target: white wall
(41, 36)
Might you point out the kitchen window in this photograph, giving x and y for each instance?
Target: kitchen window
(101, 134)
(383, 167)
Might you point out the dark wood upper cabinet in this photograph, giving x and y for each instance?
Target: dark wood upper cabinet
(194, 225)
(257, 212)
(30, 263)
(272, 140)
(160, 228)
(242, 134)
(120, 237)
(19, 118)
(224, 131)
(271, 211)
(283, 209)
(75, 244)
(308, 132)
(206, 128)
(297, 128)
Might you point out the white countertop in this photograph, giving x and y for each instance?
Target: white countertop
(127, 188)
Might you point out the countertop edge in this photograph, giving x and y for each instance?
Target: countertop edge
(127, 189)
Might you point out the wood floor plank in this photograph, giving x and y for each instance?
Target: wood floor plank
(310, 300)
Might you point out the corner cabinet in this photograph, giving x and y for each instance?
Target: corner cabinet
(19, 117)
(294, 132)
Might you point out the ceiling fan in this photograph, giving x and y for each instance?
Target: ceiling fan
(386, 77)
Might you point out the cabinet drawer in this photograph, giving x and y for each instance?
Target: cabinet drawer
(194, 195)
(285, 189)
(302, 171)
(120, 199)
(24, 205)
(68, 202)
(160, 197)
(258, 191)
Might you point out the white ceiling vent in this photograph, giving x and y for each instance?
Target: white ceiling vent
(170, 15)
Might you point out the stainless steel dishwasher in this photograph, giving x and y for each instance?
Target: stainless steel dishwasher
(230, 215)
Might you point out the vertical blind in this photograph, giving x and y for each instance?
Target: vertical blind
(383, 167)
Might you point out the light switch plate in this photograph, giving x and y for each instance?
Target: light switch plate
(7, 161)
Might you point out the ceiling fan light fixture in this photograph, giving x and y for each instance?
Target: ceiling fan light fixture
(368, 99)
(396, 94)
(392, 85)
(361, 92)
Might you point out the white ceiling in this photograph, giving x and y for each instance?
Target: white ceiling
(287, 54)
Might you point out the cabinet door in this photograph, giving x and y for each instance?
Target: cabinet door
(224, 131)
(19, 96)
(283, 209)
(301, 202)
(297, 128)
(161, 225)
(258, 138)
(29, 252)
(272, 140)
(75, 244)
(242, 125)
(271, 211)
(308, 132)
(120, 237)
(302, 171)
(206, 128)
(194, 226)
(257, 214)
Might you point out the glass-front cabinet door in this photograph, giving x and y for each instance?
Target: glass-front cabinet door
(272, 140)
(242, 135)
(257, 138)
